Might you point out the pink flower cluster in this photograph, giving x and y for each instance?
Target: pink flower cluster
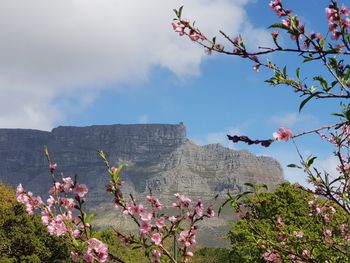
(180, 26)
(64, 217)
(96, 251)
(292, 26)
(283, 134)
(67, 186)
(155, 227)
(272, 256)
(334, 18)
(31, 202)
(276, 5)
(187, 238)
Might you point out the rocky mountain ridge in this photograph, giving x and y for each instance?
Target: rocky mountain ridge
(159, 157)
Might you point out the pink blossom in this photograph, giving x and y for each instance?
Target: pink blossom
(326, 217)
(114, 170)
(276, 5)
(322, 136)
(55, 189)
(256, 68)
(155, 256)
(331, 140)
(88, 257)
(145, 216)
(46, 216)
(156, 204)
(183, 199)
(67, 203)
(343, 228)
(344, 10)
(75, 256)
(189, 254)
(22, 198)
(81, 190)
(75, 233)
(57, 226)
(210, 211)
(99, 249)
(219, 47)
(20, 189)
(145, 227)
(50, 201)
(160, 222)
(199, 208)
(172, 219)
(156, 238)
(283, 134)
(178, 27)
(305, 253)
(134, 209)
(67, 184)
(187, 238)
(53, 167)
(318, 209)
(327, 232)
(272, 256)
(31, 202)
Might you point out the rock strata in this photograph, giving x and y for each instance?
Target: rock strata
(159, 157)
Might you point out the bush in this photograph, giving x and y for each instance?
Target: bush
(25, 239)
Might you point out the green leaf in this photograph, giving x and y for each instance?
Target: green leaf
(313, 88)
(307, 59)
(234, 204)
(297, 72)
(180, 11)
(285, 71)
(101, 153)
(323, 82)
(303, 103)
(75, 243)
(309, 161)
(279, 25)
(136, 247)
(322, 42)
(292, 165)
(339, 115)
(90, 218)
(249, 184)
(46, 150)
(222, 205)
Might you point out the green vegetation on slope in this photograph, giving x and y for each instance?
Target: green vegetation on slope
(23, 239)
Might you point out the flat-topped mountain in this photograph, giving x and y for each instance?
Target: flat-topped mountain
(159, 157)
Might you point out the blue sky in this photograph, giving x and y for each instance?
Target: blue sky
(105, 62)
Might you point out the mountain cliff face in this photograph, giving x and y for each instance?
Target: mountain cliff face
(159, 157)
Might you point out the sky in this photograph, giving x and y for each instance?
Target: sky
(86, 62)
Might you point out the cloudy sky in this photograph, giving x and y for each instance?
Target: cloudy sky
(85, 62)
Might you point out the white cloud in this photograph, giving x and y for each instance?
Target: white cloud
(295, 120)
(287, 154)
(51, 49)
(218, 137)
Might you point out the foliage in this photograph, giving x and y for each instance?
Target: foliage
(25, 239)
(261, 222)
(212, 255)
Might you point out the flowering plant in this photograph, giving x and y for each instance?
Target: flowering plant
(63, 214)
(331, 50)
